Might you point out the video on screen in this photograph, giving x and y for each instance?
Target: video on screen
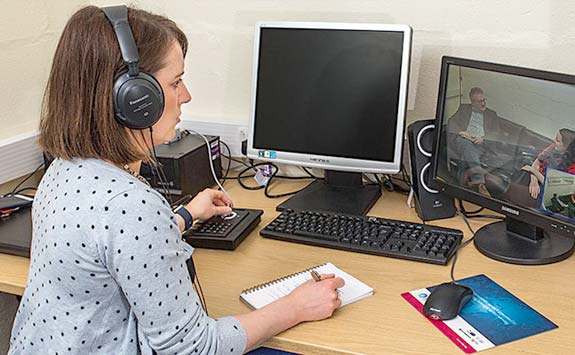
(559, 193)
(509, 137)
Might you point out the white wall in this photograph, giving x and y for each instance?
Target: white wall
(532, 33)
(29, 31)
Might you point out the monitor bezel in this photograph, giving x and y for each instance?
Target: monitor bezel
(539, 219)
(335, 162)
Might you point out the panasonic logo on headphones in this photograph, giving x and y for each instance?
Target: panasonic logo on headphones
(140, 99)
(510, 210)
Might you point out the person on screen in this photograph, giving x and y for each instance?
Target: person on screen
(557, 155)
(468, 129)
(568, 165)
(109, 268)
(568, 160)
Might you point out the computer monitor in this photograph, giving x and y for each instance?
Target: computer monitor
(506, 142)
(330, 96)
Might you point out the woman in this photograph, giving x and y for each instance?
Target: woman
(553, 156)
(108, 268)
(568, 161)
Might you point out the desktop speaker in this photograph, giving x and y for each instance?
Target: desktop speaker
(430, 204)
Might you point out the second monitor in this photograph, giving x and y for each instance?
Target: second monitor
(330, 96)
(506, 141)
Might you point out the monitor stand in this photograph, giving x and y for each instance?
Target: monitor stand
(342, 192)
(516, 242)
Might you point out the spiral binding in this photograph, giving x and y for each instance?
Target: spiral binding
(269, 283)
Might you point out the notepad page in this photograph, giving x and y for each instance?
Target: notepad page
(353, 290)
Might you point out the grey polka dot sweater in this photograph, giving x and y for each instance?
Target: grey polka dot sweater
(108, 272)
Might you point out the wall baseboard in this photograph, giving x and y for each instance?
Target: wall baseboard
(19, 155)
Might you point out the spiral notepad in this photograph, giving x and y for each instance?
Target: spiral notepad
(263, 294)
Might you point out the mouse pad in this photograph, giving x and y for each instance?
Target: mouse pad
(492, 317)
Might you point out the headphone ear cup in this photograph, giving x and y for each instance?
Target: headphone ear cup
(138, 100)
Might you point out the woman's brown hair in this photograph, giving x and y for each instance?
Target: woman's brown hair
(78, 111)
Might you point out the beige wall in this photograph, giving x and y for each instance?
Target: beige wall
(532, 33)
(29, 31)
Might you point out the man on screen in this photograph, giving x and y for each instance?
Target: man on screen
(467, 129)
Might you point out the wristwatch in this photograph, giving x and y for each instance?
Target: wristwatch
(186, 215)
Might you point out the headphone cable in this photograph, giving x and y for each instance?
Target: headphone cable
(229, 157)
(15, 189)
(163, 183)
(157, 169)
(209, 148)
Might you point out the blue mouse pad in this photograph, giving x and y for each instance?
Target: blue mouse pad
(492, 317)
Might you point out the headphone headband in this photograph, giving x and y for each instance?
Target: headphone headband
(138, 96)
(118, 17)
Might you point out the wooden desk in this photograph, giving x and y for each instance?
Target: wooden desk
(384, 323)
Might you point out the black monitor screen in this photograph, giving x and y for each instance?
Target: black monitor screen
(509, 136)
(328, 92)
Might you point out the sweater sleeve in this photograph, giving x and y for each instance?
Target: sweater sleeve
(142, 248)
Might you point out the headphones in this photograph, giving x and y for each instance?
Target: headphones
(138, 96)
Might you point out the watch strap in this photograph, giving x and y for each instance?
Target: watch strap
(186, 215)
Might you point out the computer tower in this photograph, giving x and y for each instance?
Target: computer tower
(185, 166)
(430, 204)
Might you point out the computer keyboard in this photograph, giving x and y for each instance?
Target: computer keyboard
(223, 232)
(364, 234)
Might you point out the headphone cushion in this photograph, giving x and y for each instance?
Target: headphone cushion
(138, 100)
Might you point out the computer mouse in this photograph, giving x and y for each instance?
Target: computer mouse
(446, 301)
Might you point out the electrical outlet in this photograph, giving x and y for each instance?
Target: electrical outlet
(243, 134)
(231, 134)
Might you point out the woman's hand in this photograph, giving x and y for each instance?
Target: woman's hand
(209, 203)
(465, 135)
(534, 188)
(527, 168)
(477, 140)
(316, 300)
